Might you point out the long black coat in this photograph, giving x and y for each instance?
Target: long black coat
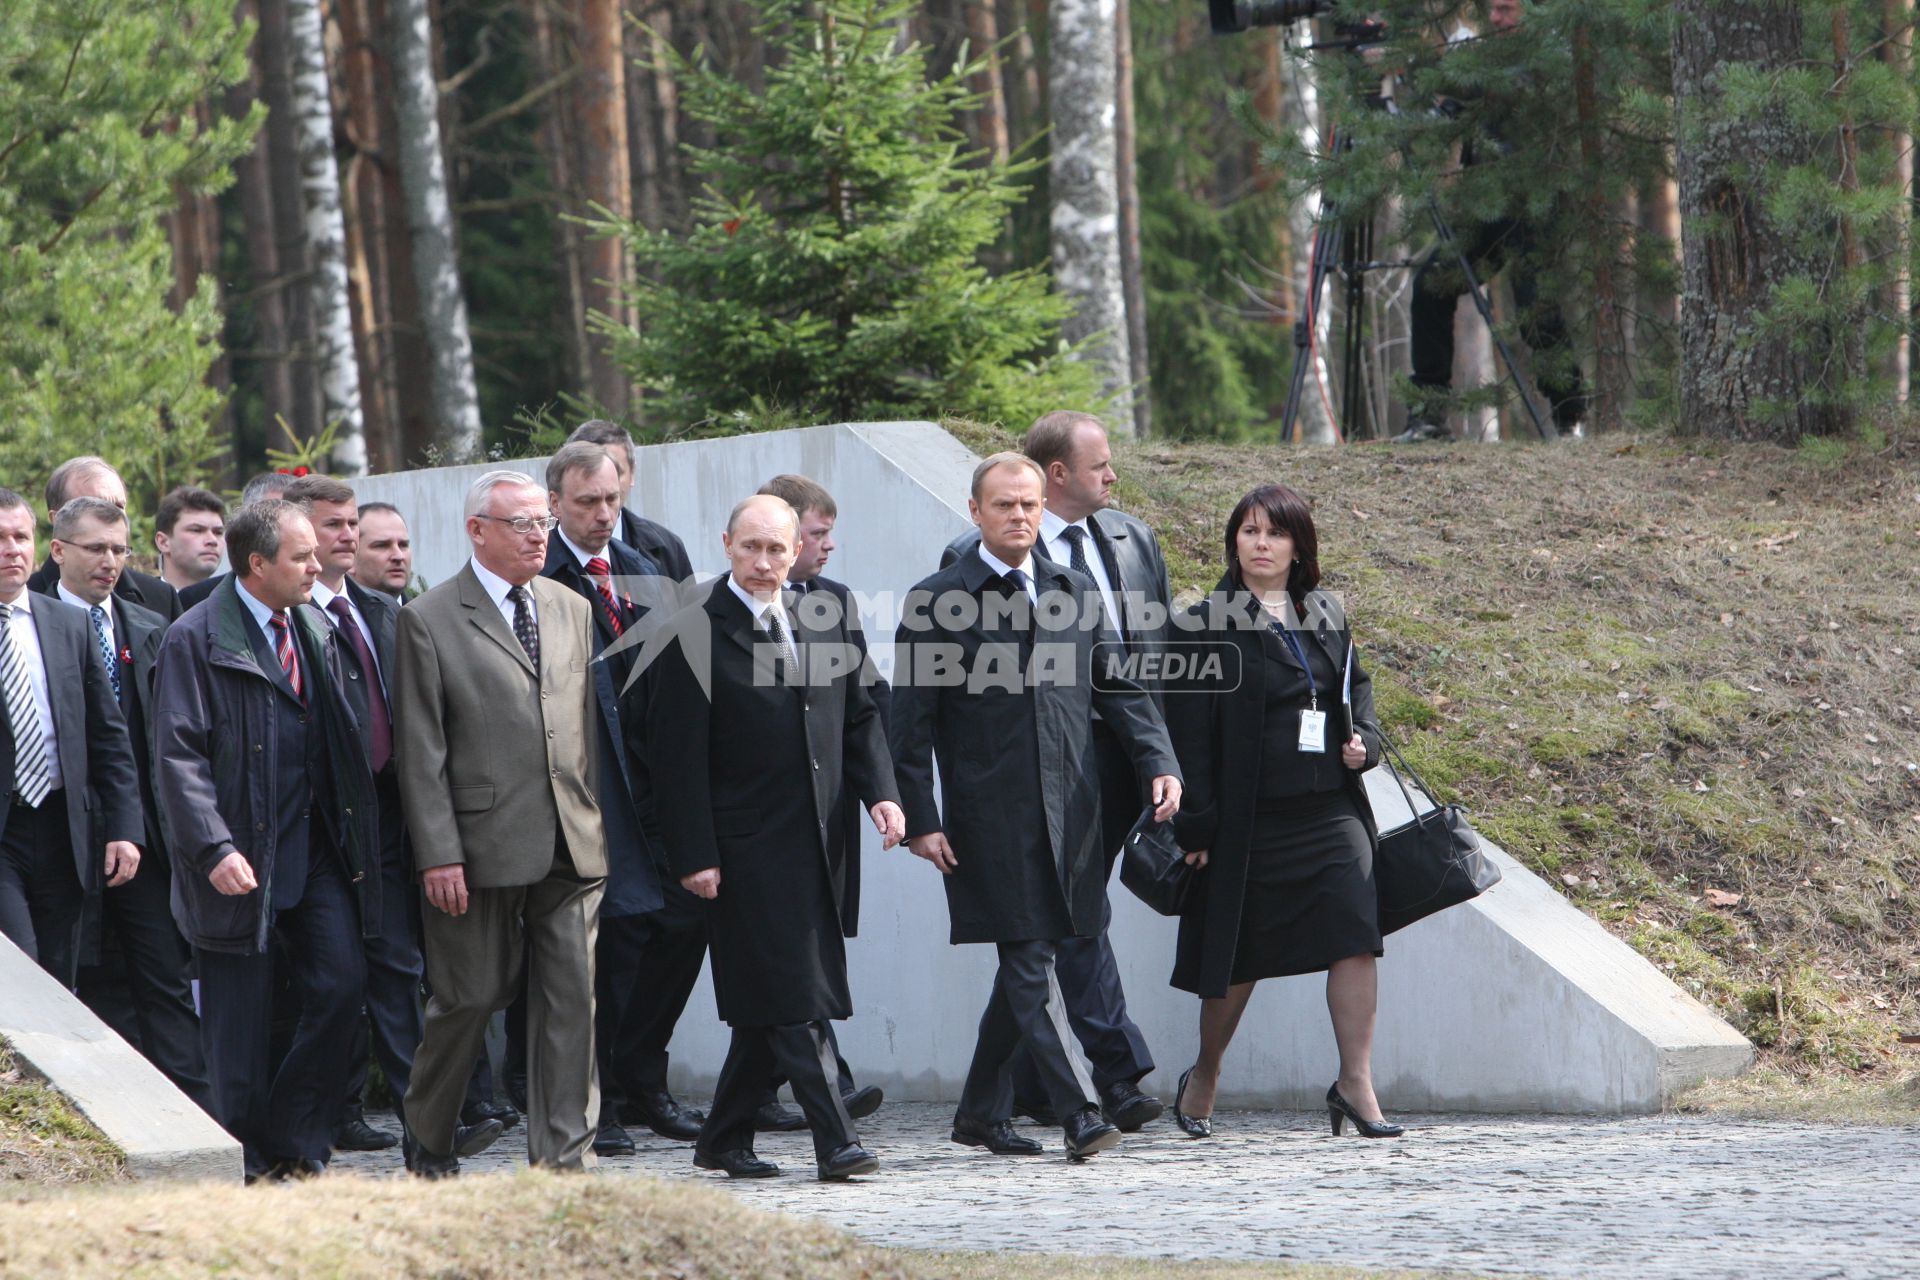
(1022, 797)
(751, 782)
(1218, 736)
(656, 542)
(853, 818)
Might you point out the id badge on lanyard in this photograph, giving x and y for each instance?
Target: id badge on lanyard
(1313, 721)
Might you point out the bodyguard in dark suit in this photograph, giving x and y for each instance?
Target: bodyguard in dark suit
(649, 537)
(267, 802)
(363, 622)
(91, 477)
(70, 813)
(583, 490)
(149, 993)
(994, 671)
(1122, 557)
(757, 761)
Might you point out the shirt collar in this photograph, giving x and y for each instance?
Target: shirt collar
(79, 603)
(492, 583)
(20, 604)
(757, 607)
(580, 553)
(323, 595)
(1001, 567)
(261, 614)
(1052, 526)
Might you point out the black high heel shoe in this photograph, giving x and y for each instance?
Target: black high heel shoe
(1192, 1126)
(1340, 1110)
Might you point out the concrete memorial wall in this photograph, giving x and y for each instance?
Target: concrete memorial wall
(1515, 1002)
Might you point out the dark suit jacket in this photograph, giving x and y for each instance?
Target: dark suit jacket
(1217, 734)
(853, 818)
(139, 588)
(1015, 750)
(633, 876)
(96, 760)
(381, 614)
(199, 591)
(756, 771)
(657, 543)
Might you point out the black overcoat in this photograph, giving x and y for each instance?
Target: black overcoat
(853, 819)
(1217, 733)
(1018, 780)
(751, 782)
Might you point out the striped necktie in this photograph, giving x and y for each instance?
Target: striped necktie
(283, 648)
(601, 575)
(32, 777)
(98, 616)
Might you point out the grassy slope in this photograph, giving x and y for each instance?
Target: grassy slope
(1677, 679)
(43, 1141)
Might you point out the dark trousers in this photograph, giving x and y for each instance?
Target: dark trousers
(150, 983)
(41, 901)
(1088, 973)
(1026, 1009)
(803, 1053)
(843, 1074)
(286, 1112)
(1438, 286)
(394, 964)
(649, 966)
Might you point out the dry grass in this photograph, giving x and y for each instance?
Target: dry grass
(1772, 1094)
(43, 1141)
(1677, 678)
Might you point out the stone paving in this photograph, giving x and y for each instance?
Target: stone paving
(1628, 1198)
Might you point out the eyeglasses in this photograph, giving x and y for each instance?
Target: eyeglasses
(526, 524)
(104, 549)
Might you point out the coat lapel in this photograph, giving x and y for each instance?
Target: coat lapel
(65, 692)
(486, 615)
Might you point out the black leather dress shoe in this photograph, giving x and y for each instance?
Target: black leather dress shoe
(357, 1135)
(517, 1092)
(849, 1161)
(472, 1139)
(612, 1140)
(1127, 1107)
(997, 1137)
(422, 1163)
(777, 1117)
(663, 1114)
(1038, 1112)
(296, 1170)
(737, 1163)
(490, 1110)
(863, 1102)
(1087, 1131)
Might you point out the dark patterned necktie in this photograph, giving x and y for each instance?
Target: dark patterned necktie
(523, 625)
(32, 775)
(1077, 549)
(98, 616)
(379, 722)
(780, 637)
(283, 648)
(601, 574)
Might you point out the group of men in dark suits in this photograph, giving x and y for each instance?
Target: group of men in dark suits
(351, 802)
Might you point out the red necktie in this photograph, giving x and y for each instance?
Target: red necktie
(289, 658)
(602, 575)
(379, 724)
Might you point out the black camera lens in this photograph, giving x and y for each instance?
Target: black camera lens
(1230, 16)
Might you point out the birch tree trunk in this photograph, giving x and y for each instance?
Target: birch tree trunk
(1315, 425)
(423, 176)
(326, 236)
(1897, 24)
(1085, 221)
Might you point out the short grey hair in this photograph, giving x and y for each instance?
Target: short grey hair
(1006, 458)
(733, 517)
(71, 470)
(481, 494)
(268, 484)
(74, 510)
(601, 432)
(255, 530)
(575, 455)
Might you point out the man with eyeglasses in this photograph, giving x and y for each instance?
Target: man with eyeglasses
(146, 994)
(494, 714)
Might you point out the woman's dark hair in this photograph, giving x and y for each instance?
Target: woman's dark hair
(1287, 511)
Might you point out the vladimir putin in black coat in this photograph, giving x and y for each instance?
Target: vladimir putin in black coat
(756, 765)
(994, 670)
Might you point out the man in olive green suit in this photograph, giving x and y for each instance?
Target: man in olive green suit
(493, 708)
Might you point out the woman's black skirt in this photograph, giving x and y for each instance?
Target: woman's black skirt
(1310, 897)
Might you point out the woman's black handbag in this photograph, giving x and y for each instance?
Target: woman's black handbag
(1152, 866)
(1430, 858)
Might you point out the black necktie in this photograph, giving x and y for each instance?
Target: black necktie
(523, 625)
(1077, 549)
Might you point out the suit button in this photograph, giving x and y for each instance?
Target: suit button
(816, 766)
(259, 826)
(258, 748)
(353, 675)
(543, 695)
(549, 733)
(556, 773)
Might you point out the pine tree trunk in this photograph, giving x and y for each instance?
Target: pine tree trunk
(194, 229)
(1127, 187)
(556, 143)
(436, 274)
(1085, 210)
(1609, 358)
(599, 98)
(1897, 25)
(292, 256)
(326, 236)
(369, 275)
(1738, 380)
(983, 42)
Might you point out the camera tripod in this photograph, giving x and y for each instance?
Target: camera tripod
(1332, 242)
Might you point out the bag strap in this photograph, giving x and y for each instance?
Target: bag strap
(1390, 757)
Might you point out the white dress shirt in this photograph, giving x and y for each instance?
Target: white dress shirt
(323, 600)
(760, 609)
(1054, 530)
(26, 643)
(580, 553)
(1002, 568)
(86, 607)
(497, 588)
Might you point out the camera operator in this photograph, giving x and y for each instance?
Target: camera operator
(1511, 240)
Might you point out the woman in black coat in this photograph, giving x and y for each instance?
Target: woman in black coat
(1275, 817)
